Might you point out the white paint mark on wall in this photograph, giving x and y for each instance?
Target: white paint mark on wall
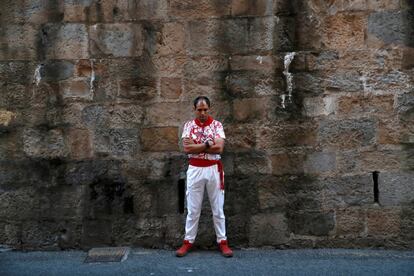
(289, 78)
(91, 87)
(37, 74)
(259, 59)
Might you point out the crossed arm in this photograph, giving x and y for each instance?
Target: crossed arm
(215, 147)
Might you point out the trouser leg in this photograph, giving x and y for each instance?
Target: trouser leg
(216, 197)
(195, 193)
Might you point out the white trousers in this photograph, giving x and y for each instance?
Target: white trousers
(197, 179)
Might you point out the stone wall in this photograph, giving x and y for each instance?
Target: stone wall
(94, 95)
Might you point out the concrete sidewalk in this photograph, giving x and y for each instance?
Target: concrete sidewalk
(245, 262)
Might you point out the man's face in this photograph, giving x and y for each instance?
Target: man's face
(201, 111)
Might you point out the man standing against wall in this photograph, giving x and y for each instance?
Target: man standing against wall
(203, 141)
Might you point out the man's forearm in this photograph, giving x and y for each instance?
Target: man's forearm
(214, 149)
(195, 148)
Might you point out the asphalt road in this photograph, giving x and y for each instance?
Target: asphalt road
(245, 262)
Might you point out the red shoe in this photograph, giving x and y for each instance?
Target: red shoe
(183, 250)
(225, 249)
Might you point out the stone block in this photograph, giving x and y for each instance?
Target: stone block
(11, 145)
(96, 233)
(344, 81)
(116, 142)
(272, 194)
(317, 106)
(268, 229)
(57, 70)
(389, 132)
(311, 223)
(309, 83)
(251, 8)
(80, 143)
(395, 188)
(239, 199)
(168, 114)
(63, 41)
(383, 222)
(125, 116)
(200, 9)
(350, 222)
(44, 143)
(160, 139)
(287, 163)
(254, 62)
(78, 88)
(6, 118)
(251, 163)
(320, 162)
(17, 72)
(139, 88)
(286, 135)
(405, 105)
(92, 115)
(171, 88)
(116, 40)
(240, 137)
(377, 5)
(18, 42)
(172, 41)
(346, 191)
(347, 134)
(22, 204)
(344, 31)
(284, 35)
(392, 27)
(252, 109)
(359, 104)
(390, 81)
(408, 58)
(250, 84)
(223, 36)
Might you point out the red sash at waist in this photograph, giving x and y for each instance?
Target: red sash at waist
(196, 162)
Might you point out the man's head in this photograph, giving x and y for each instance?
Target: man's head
(201, 108)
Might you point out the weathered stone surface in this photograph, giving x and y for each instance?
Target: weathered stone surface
(287, 163)
(44, 143)
(383, 5)
(347, 134)
(344, 31)
(286, 135)
(140, 89)
(20, 203)
(76, 89)
(317, 106)
(117, 40)
(57, 70)
(395, 189)
(311, 223)
(63, 41)
(394, 80)
(268, 229)
(260, 63)
(251, 163)
(369, 161)
(284, 37)
(172, 39)
(378, 105)
(160, 139)
(200, 9)
(347, 191)
(18, 42)
(168, 114)
(171, 88)
(117, 142)
(350, 222)
(383, 222)
(320, 162)
(256, 109)
(80, 144)
(251, 8)
(240, 137)
(125, 115)
(392, 26)
(214, 36)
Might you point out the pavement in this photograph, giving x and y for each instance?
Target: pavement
(199, 262)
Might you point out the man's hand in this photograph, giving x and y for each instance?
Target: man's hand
(216, 146)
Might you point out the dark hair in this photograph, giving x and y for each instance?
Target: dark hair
(200, 99)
